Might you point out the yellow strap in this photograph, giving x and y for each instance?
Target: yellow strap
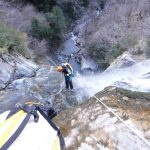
(10, 125)
(31, 103)
(34, 103)
(56, 145)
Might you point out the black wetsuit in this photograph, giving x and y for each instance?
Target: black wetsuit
(68, 78)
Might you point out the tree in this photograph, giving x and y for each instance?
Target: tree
(43, 5)
(59, 18)
(147, 49)
(35, 27)
(57, 24)
(13, 40)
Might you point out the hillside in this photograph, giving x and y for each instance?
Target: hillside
(120, 26)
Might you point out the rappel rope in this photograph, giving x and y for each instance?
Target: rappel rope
(129, 127)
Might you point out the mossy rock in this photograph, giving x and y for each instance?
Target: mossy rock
(134, 94)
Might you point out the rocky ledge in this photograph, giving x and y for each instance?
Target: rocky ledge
(91, 126)
(23, 80)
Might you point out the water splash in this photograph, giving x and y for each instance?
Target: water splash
(131, 76)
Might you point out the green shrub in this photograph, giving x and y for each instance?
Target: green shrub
(100, 52)
(73, 9)
(84, 3)
(36, 28)
(124, 44)
(147, 49)
(57, 25)
(40, 31)
(59, 18)
(54, 30)
(104, 52)
(43, 5)
(11, 39)
(117, 50)
(129, 41)
(69, 10)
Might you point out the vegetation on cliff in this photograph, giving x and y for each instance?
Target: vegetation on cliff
(59, 16)
(123, 24)
(54, 29)
(12, 40)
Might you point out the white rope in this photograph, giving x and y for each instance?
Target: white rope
(129, 127)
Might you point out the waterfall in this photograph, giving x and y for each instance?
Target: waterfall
(129, 77)
(134, 78)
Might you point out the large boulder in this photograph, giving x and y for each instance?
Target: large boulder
(125, 60)
(5, 73)
(15, 66)
(87, 63)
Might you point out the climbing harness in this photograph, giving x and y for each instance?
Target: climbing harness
(17, 119)
(129, 127)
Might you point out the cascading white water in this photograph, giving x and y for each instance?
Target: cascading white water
(132, 77)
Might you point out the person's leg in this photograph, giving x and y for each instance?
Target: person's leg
(70, 84)
(67, 83)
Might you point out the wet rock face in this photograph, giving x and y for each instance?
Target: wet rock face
(14, 67)
(91, 126)
(87, 63)
(5, 74)
(22, 80)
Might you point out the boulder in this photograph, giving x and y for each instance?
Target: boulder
(6, 73)
(87, 63)
(24, 67)
(14, 66)
(125, 60)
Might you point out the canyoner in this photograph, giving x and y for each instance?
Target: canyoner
(67, 70)
(29, 127)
